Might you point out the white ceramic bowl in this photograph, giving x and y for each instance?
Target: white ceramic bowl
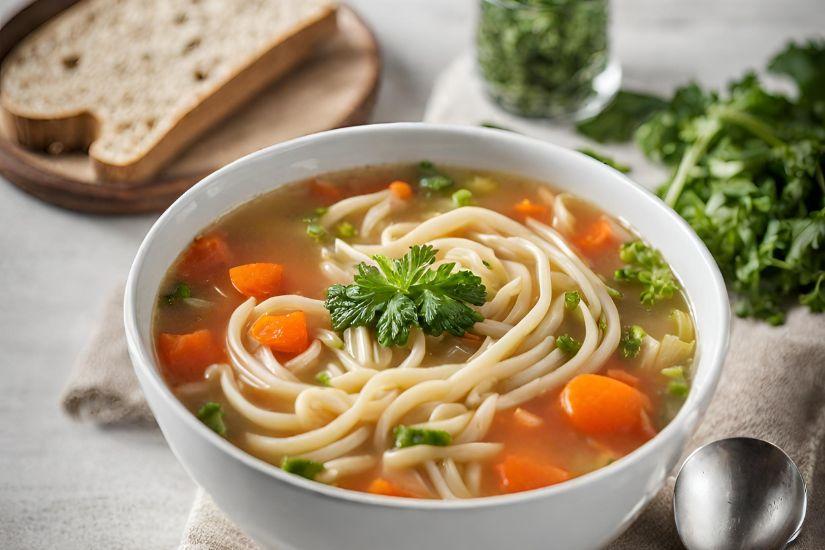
(285, 511)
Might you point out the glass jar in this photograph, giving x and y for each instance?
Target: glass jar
(547, 58)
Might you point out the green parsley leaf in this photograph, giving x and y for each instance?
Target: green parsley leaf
(181, 292)
(568, 344)
(616, 165)
(678, 388)
(647, 268)
(211, 414)
(462, 197)
(404, 293)
(571, 300)
(804, 64)
(316, 232)
(431, 179)
(302, 467)
(324, 378)
(621, 117)
(346, 230)
(406, 436)
(631, 341)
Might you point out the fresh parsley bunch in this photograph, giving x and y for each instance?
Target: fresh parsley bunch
(747, 175)
(404, 293)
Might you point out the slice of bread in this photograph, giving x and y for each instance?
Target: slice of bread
(136, 81)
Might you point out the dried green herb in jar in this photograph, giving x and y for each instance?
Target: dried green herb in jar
(540, 58)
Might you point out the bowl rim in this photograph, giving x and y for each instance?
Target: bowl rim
(144, 363)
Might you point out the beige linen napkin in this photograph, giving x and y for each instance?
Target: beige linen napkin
(772, 387)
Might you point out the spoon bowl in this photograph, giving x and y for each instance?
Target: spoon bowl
(739, 493)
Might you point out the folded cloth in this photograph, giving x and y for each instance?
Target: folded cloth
(102, 386)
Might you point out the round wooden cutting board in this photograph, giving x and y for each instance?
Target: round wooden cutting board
(336, 87)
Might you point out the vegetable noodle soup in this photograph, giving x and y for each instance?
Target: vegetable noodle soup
(426, 332)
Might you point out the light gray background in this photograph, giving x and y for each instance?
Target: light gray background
(62, 482)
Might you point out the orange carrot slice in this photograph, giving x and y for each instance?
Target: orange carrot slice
(261, 280)
(380, 486)
(187, 355)
(326, 191)
(204, 255)
(527, 209)
(522, 473)
(285, 333)
(401, 189)
(598, 405)
(596, 236)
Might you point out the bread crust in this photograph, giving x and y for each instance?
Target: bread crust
(81, 129)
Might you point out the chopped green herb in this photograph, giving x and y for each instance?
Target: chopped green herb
(486, 264)
(406, 436)
(614, 292)
(571, 300)
(302, 467)
(346, 230)
(181, 292)
(462, 197)
(211, 414)
(540, 57)
(317, 232)
(631, 341)
(430, 179)
(678, 388)
(404, 293)
(647, 268)
(568, 344)
(324, 378)
(674, 373)
(616, 165)
(603, 323)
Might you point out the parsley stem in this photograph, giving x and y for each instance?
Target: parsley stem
(691, 158)
(750, 123)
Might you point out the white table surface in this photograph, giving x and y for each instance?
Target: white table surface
(63, 482)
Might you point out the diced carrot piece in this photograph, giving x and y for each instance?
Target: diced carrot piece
(187, 355)
(527, 419)
(527, 209)
(380, 486)
(401, 189)
(623, 376)
(285, 333)
(522, 473)
(596, 236)
(204, 255)
(326, 191)
(470, 337)
(261, 280)
(598, 405)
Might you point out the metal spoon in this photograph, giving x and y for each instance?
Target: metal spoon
(739, 493)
